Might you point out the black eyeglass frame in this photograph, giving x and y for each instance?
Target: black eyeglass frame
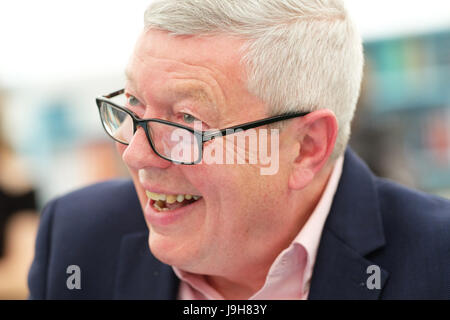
(201, 136)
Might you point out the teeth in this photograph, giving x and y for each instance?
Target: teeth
(162, 199)
(155, 196)
(171, 199)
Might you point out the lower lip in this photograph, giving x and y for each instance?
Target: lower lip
(165, 218)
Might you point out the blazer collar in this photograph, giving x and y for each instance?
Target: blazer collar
(352, 230)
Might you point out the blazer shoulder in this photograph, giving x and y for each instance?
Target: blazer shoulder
(102, 206)
(119, 187)
(415, 219)
(418, 206)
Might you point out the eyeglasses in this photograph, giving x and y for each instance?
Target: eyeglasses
(169, 140)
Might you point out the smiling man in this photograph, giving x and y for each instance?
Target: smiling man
(282, 77)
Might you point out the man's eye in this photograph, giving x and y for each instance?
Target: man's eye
(189, 119)
(133, 101)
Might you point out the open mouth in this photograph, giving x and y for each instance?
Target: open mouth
(168, 202)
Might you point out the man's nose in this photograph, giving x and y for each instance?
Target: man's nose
(139, 154)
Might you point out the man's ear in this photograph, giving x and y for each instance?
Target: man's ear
(316, 134)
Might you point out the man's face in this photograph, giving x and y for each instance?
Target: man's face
(240, 212)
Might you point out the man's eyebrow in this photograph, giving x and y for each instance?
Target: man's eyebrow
(196, 92)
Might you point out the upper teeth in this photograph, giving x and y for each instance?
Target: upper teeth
(170, 198)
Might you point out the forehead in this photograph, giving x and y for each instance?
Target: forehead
(186, 64)
(223, 49)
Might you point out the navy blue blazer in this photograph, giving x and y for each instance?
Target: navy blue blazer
(372, 221)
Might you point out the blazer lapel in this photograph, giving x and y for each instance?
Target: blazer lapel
(352, 231)
(140, 275)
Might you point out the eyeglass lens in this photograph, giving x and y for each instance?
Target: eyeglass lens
(171, 142)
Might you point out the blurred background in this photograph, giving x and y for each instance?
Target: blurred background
(57, 56)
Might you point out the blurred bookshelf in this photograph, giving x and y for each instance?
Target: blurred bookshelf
(402, 125)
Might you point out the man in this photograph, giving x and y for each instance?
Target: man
(191, 225)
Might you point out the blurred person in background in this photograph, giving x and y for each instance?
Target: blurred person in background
(18, 224)
(322, 227)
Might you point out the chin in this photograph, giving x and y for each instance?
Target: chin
(166, 249)
(185, 257)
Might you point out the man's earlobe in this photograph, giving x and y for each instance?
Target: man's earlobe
(300, 178)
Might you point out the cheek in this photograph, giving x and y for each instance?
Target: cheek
(226, 187)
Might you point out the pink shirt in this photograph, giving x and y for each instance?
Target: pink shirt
(290, 274)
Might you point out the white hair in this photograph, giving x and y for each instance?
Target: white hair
(300, 55)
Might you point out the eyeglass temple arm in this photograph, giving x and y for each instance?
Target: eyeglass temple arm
(115, 93)
(208, 135)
